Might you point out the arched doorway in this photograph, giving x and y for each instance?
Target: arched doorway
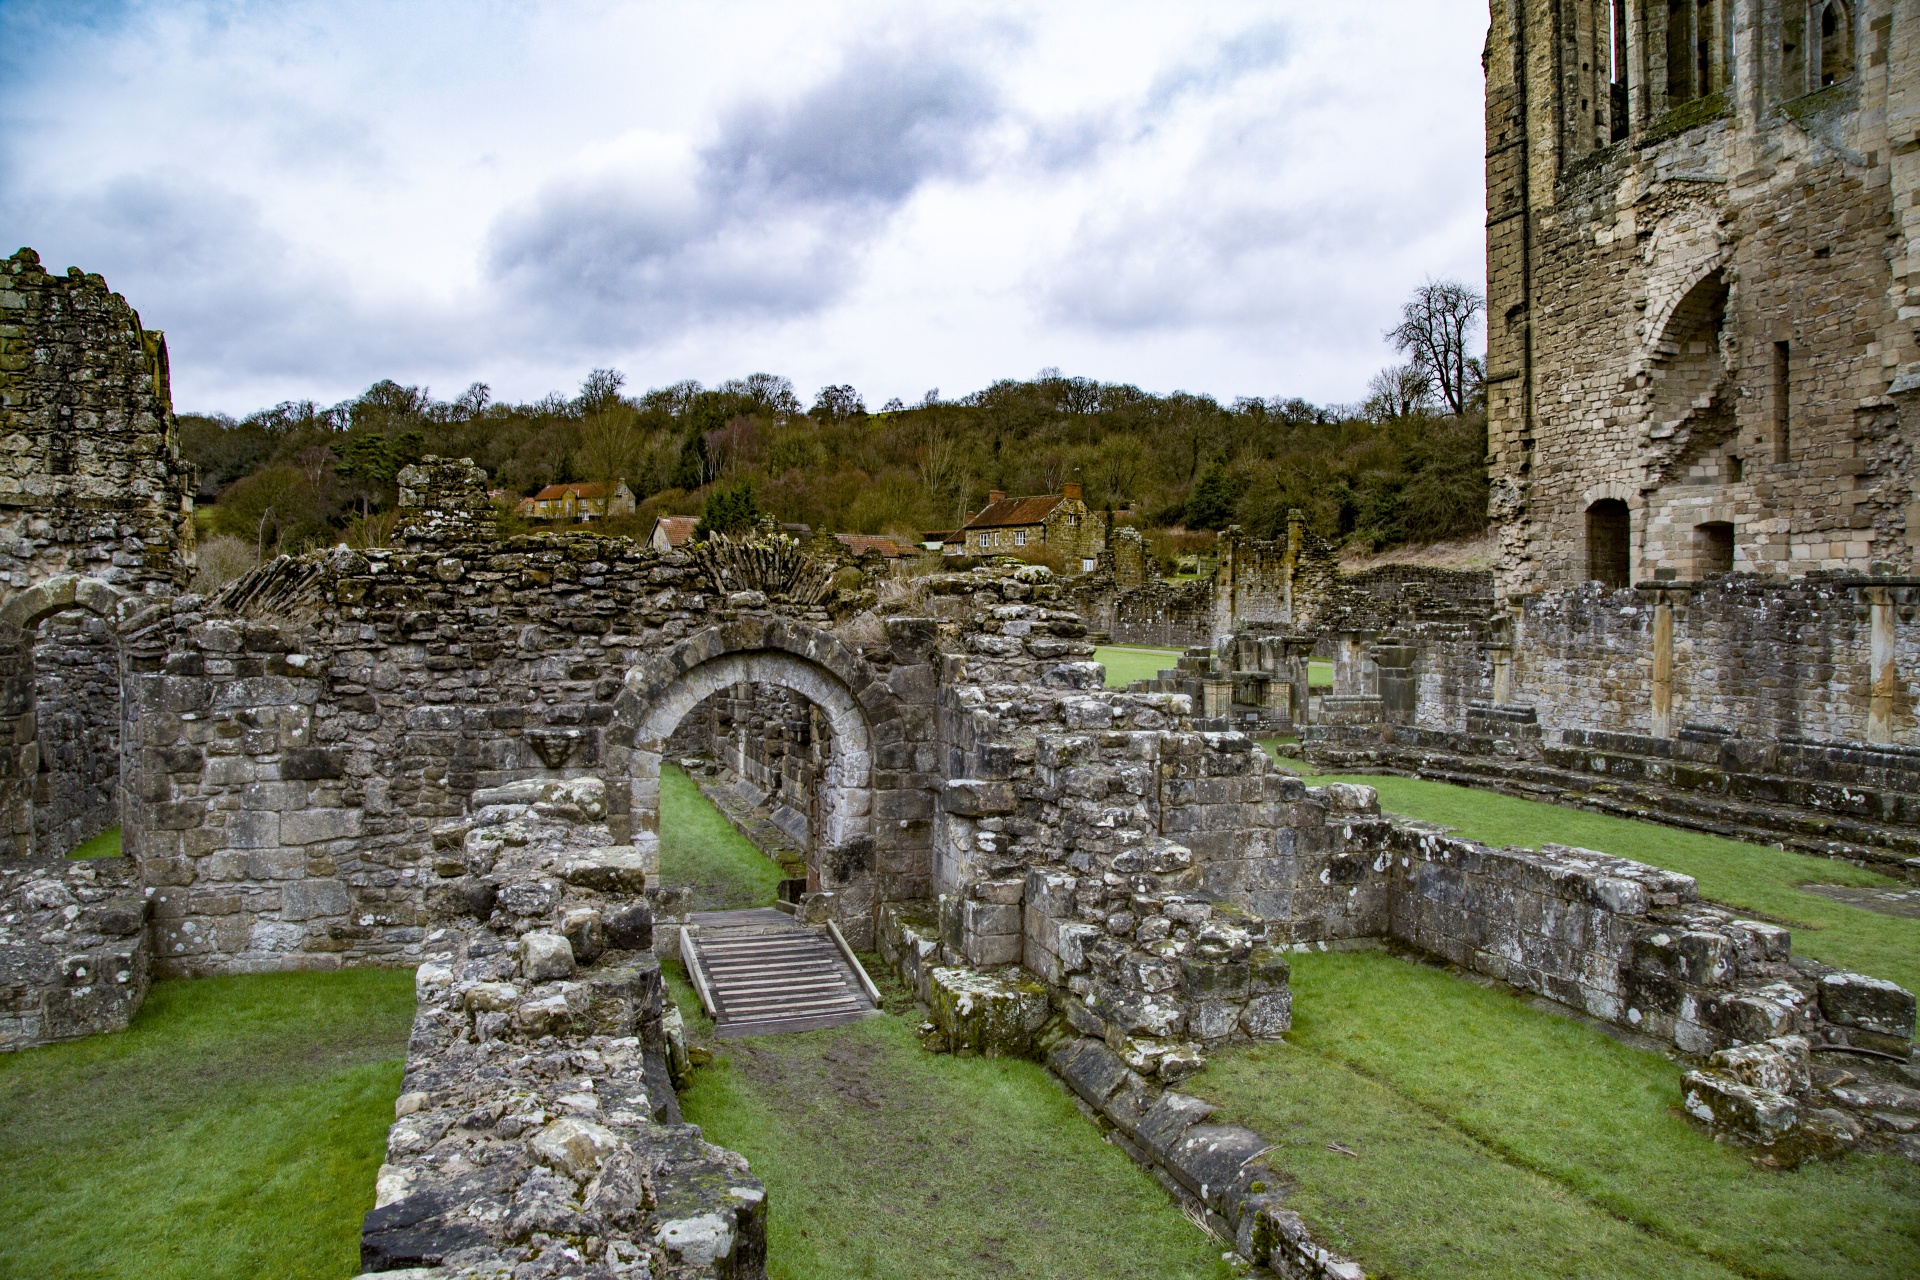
(62, 674)
(870, 829)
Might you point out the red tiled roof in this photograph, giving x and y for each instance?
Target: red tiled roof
(1015, 511)
(861, 543)
(555, 492)
(677, 528)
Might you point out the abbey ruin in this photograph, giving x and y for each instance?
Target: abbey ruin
(445, 754)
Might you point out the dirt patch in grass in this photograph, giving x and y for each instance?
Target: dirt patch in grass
(232, 1131)
(1497, 1140)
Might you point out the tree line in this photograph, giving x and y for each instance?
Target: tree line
(1406, 464)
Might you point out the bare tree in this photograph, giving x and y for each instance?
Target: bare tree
(1433, 330)
(1397, 391)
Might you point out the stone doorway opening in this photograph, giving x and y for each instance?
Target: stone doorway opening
(804, 678)
(62, 683)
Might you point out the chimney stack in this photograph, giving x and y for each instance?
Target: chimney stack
(1072, 491)
(996, 495)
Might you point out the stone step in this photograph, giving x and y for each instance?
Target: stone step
(766, 974)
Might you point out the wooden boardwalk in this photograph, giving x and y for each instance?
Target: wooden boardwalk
(759, 972)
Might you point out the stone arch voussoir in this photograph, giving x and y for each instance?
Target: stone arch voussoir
(27, 608)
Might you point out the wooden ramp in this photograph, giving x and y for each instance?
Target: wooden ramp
(759, 972)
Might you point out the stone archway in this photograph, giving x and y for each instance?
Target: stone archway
(64, 739)
(875, 839)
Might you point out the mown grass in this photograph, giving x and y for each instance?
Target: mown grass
(104, 845)
(883, 1160)
(1752, 877)
(1126, 663)
(701, 850)
(1495, 1140)
(232, 1131)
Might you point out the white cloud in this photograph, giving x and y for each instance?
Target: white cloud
(1230, 198)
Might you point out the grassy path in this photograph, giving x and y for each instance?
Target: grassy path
(883, 1160)
(1495, 1140)
(700, 849)
(1753, 877)
(232, 1131)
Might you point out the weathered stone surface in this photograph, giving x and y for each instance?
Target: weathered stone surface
(546, 956)
(988, 1014)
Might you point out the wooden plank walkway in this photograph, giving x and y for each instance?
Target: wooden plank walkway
(761, 972)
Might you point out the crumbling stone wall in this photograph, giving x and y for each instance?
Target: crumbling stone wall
(537, 1129)
(92, 481)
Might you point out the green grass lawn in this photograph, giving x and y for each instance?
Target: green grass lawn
(232, 1131)
(1125, 664)
(701, 850)
(1495, 1140)
(883, 1160)
(104, 845)
(1752, 877)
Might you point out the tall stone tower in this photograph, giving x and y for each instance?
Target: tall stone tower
(91, 480)
(1703, 287)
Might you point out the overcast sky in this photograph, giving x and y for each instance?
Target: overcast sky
(1221, 197)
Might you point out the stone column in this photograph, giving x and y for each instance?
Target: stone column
(1663, 666)
(1882, 671)
(1502, 656)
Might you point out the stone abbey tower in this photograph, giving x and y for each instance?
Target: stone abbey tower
(1701, 346)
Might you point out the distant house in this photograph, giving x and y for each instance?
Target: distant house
(945, 541)
(579, 502)
(1060, 522)
(672, 532)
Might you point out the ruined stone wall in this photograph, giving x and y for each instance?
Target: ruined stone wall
(91, 481)
(295, 743)
(537, 1127)
(1763, 660)
(1707, 319)
(74, 953)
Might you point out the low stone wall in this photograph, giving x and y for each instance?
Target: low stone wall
(1852, 801)
(537, 1131)
(1214, 1168)
(74, 957)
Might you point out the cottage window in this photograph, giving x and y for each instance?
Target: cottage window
(1019, 537)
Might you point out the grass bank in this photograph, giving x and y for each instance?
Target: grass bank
(232, 1131)
(1752, 877)
(104, 845)
(701, 850)
(1493, 1140)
